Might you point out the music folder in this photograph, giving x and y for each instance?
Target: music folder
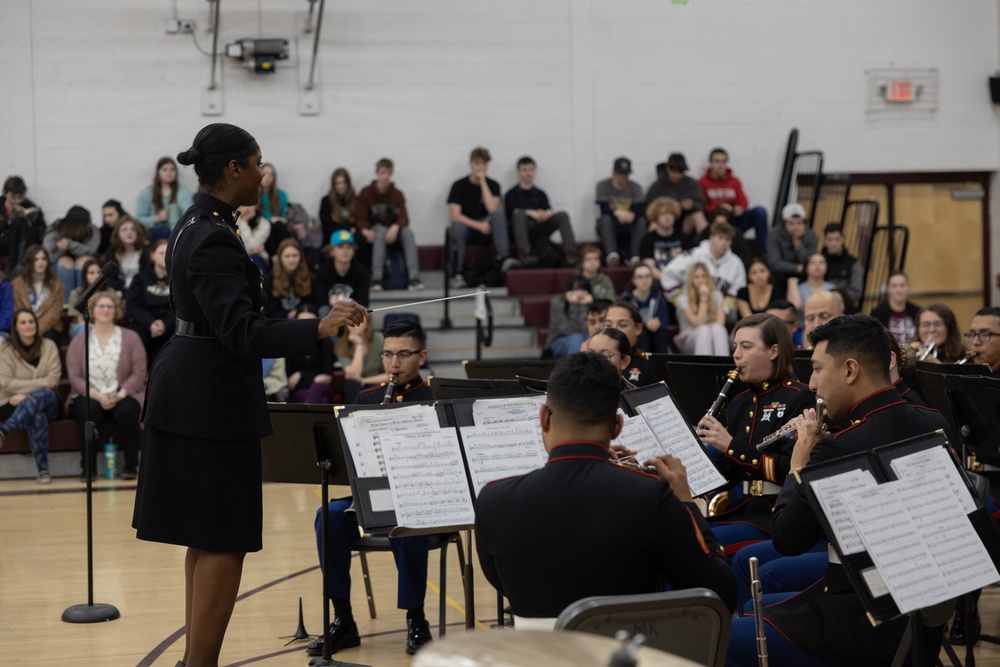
(655, 425)
(905, 524)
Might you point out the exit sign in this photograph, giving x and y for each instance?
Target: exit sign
(899, 91)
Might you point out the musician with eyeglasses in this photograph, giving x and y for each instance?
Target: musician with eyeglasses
(984, 339)
(613, 345)
(403, 353)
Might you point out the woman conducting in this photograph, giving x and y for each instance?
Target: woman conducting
(200, 478)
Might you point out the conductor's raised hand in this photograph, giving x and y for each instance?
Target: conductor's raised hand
(343, 313)
(672, 470)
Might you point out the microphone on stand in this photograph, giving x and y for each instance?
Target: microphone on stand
(107, 272)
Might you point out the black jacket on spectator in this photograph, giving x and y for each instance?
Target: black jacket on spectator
(357, 278)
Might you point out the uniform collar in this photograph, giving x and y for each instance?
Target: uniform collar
(578, 449)
(766, 385)
(877, 400)
(218, 208)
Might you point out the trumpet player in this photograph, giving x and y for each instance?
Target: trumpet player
(939, 339)
(763, 355)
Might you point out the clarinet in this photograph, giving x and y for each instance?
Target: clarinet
(969, 356)
(731, 377)
(389, 388)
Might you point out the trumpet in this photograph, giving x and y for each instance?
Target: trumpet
(630, 462)
(389, 388)
(790, 430)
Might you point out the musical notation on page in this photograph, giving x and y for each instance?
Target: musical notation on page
(667, 423)
(487, 411)
(427, 479)
(830, 491)
(503, 450)
(364, 429)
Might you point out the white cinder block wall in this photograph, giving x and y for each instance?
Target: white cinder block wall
(94, 92)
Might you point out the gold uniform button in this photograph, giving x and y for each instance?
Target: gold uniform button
(399, 399)
(788, 384)
(751, 414)
(748, 429)
(754, 399)
(743, 457)
(826, 589)
(754, 462)
(730, 452)
(765, 385)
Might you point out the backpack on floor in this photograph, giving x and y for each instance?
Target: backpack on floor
(395, 270)
(483, 271)
(547, 254)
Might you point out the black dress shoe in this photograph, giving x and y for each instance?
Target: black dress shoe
(418, 634)
(342, 635)
(962, 626)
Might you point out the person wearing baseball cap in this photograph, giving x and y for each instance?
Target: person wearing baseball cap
(622, 223)
(680, 187)
(789, 245)
(342, 276)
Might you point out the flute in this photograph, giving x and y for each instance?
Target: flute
(758, 612)
(925, 351)
(389, 388)
(790, 430)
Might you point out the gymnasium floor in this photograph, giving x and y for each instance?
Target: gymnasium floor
(43, 570)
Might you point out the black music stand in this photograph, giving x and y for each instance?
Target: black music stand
(533, 385)
(508, 369)
(802, 364)
(304, 437)
(694, 380)
(446, 388)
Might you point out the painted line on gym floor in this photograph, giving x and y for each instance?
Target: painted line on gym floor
(82, 489)
(455, 605)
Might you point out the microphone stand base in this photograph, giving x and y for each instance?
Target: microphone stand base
(90, 613)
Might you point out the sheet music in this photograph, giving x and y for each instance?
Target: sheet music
(486, 411)
(830, 492)
(503, 450)
(938, 462)
(676, 438)
(954, 544)
(427, 478)
(897, 547)
(363, 430)
(637, 437)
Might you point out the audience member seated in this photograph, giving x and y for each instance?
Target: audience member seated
(130, 251)
(22, 223)
(88, 274)
(310, 377)
(896, 313)
(476, 213)
(583, 493)
(984, 338)
(626, 318)
(763, 355)
(530, 214)
(70, 242)
(648, 298)
(288, 287)
(727, 271)
(590, 268)
(402, 355)
(664, 242)
(275, 380)
(111, 214)
(740, 247)
(683, 189)
(36, 288)
(338, 211)
(700, 315)
(255, 230)
(842, 268)
(359, 353)
(117, 381)
(787, 313)
(789, 245)
(759, 291)
(162, 204)
(383, 222)
(273, 200)
(568, 317)
(147, 301)
(819, 309)
(622, 223)
(596, 313)
(29, 374)
(937, 326)
(6, 308)
(812, 281)
(613, 345)
(342, 276)
(724, 192)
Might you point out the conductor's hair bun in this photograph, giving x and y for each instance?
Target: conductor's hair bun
(189, 156)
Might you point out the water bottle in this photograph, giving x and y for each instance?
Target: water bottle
(110, 459)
